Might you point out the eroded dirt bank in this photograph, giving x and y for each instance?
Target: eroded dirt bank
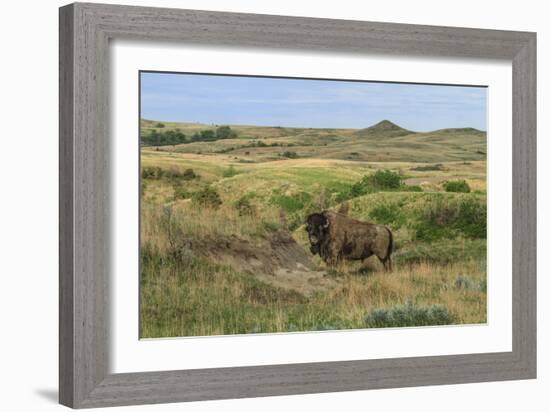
(276, 259)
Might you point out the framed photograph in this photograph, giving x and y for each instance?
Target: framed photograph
(256, 205)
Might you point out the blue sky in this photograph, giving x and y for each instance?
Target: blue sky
(308, 103)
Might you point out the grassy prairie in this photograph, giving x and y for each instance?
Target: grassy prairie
(199, 297)
(223, 246)
(378, 143)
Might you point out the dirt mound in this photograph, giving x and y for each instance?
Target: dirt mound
(276, 259)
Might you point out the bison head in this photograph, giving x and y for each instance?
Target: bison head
(316, 227)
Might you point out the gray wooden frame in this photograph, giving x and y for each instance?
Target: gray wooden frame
(85, 31)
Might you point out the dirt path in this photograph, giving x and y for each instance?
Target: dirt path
(277, 260)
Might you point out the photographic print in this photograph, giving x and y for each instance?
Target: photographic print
(276, 205)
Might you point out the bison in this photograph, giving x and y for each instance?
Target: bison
(335, 236)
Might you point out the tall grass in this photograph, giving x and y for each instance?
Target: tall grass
(204, 223)
(439, 258)
(202, 298)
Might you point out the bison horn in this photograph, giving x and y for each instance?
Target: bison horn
(326, 224)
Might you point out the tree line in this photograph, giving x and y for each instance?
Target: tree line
(175, 136)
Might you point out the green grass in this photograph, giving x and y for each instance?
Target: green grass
(458, 186)
(197, 297)
(186, 295)
(439, 254)
(373, 144)
(291, 203)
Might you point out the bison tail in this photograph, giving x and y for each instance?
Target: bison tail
(390, 244)
(390, 249)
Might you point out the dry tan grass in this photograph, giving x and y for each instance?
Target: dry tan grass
(199, 296)
(203, 222)
(210, 300)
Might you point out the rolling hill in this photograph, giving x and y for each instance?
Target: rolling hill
(382, 142)
(383, 129)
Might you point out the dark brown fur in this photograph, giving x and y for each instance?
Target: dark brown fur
(335, 236)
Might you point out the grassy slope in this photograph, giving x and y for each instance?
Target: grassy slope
(198, 297)
(201, 298)
(371, 144)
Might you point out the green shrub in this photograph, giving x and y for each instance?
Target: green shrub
(168, 137)
(151, 173)
(408, 314)
(225, 132)
(360, 189)
(383, 179)
(159, 125)
(459, 186)
(204, 136)
(387, 215)
(346, 192)
(181, 193)
(289, 155)
(207, 197)
(471, 220)
(244, 206)
(446, 220)
(189, 174)
(230, 171)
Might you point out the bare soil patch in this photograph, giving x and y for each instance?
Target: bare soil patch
(277, 260)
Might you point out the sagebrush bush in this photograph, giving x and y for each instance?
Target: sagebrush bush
(457, 186)
(189, 174)
(172, 173)
(230, 171)
(467, 283)
(151, 173)
(289, 155)
(158, 173)
(408, 314)
(180, 192)
(464, 282)
(244, 206)
(381, 180)
(207, 197)
(442, 219)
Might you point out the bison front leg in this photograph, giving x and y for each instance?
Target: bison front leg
(332, 261)
(334, 255)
